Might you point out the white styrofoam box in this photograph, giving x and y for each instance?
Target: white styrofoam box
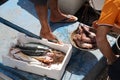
(55, 73)
(70, 6)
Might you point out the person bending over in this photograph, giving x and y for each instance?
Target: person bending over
(108, 20)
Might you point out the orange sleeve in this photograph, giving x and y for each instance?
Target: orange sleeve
(109, 13)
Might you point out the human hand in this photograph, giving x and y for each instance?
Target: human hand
(114, 60)
(95, 25)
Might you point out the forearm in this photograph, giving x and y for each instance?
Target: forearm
(103, 44)
(106, 50)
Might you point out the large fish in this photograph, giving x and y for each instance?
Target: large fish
(33, 49)
(17, 54)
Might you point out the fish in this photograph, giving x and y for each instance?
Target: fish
(33, 49)
(44, 59)
(34, 52)
(39, 52)
(17, 54)
(51, 57)
(37, 45)
(84, 37)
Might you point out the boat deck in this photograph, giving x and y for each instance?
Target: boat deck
(83, 65)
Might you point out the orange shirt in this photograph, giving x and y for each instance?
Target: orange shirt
(110, 14)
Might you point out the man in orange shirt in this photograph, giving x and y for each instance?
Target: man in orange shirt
(56, 15)
(109, 20)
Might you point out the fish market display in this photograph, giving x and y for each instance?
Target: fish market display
(84, 37)
(34, 52)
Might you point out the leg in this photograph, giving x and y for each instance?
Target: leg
(56, 14)
(42, 11)
(104, 45)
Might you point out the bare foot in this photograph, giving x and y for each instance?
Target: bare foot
(50, 37)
